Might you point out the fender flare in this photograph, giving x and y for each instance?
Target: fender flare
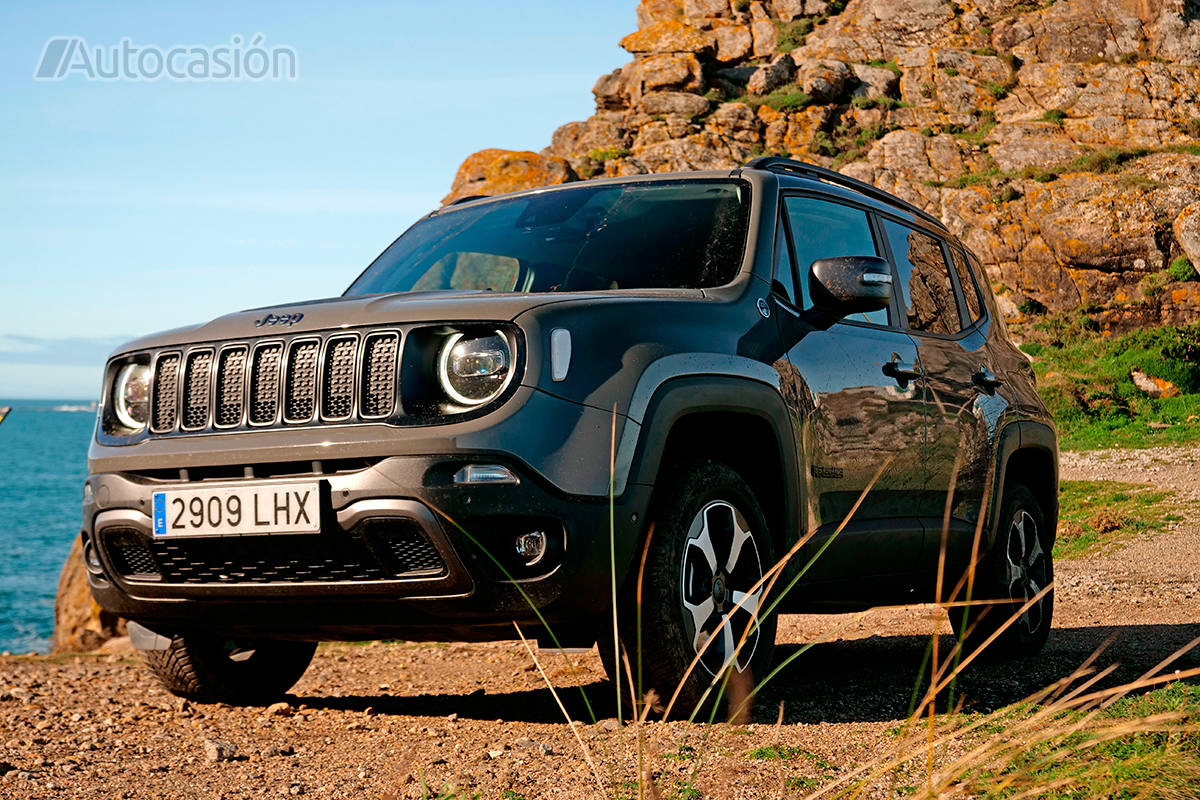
(1020, 436)
(683, 396)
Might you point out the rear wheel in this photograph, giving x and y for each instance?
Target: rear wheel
(1016, 571)
(210, 669)
(700, 599)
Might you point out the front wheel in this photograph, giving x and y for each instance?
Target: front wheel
(1017, 570)
(211, 669)
(701, 593)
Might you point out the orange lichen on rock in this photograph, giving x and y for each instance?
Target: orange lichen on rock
(496, 171)
(669, 36)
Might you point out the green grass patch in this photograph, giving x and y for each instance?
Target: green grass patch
(888, 65)
(785, 98)
(1094, 514)
(1159, 761)
(1085, 380)
(1055, 115)
(1181, 269)
(792, 34)
(607, 153)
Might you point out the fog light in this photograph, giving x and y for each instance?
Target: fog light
(531, 547)
(484, 473)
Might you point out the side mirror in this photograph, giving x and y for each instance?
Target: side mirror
(849, 285)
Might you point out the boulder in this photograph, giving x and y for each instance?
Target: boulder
(669, 36)
(772, 75)
(677, 71)
(705, 9)
(80, 625)
(822, 80)
(763, 31)
(495, 171)
(733, 42)
(599, 132)
(611, 91)
(874, 82)
(678, 103)
(1187, 233)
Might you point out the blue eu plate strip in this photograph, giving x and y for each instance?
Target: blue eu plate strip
(160, 514)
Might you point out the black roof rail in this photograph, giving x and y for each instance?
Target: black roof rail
(468, 198)
(806, 170)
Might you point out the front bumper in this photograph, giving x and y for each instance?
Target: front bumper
(295, 585)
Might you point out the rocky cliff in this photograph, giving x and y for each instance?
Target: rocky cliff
(1060, 140)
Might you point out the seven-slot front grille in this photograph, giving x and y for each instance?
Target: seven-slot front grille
(341, 377)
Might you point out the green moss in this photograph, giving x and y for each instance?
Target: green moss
(1181, 269)
(890, 64)
(603, 154)
(951, 71)
(785, 98)
(886, 103)
(1055, 115)
(1152, 284)
(792, 34)
(999, 90)
(1030, 307)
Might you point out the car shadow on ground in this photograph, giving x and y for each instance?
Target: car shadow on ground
(857, 680)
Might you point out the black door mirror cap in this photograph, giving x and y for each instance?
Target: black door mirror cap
(850, 285)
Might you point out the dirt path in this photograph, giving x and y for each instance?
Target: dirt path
(374, 720)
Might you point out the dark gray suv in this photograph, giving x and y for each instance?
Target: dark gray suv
(685, 380)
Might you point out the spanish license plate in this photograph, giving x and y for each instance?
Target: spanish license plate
(261, 509)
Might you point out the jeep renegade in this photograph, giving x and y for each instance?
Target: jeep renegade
(683, 379)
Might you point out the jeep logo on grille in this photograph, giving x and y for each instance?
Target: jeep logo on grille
(286, 320)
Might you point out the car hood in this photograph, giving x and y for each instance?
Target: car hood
(380, 309)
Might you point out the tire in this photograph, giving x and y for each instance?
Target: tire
(1018, 567)
(209, 669)
(703, 509)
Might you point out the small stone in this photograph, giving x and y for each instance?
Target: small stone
(280, 709)
(494, 754)
(218, 750)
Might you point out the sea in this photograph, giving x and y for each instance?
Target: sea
(43, 463)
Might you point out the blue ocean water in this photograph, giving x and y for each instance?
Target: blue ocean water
(43, 463)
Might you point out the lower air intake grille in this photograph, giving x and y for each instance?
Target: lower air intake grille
(376, 550)
(130, 555)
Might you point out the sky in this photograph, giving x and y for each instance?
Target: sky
(130, 206)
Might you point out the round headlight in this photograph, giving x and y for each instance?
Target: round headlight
(131, 396)
(475, 369)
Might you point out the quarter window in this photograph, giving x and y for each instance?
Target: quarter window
(969, 289)
(822, 229)
(929, 300)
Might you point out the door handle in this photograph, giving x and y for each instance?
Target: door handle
(986, 380)
(900, 372)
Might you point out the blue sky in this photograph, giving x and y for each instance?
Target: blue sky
(129, 207)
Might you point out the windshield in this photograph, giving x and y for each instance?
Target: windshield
(686, 234)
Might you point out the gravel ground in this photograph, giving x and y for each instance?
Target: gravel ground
(377, 720)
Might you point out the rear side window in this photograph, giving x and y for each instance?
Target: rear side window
(929, 300)
(823, 229)
(969, 288)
